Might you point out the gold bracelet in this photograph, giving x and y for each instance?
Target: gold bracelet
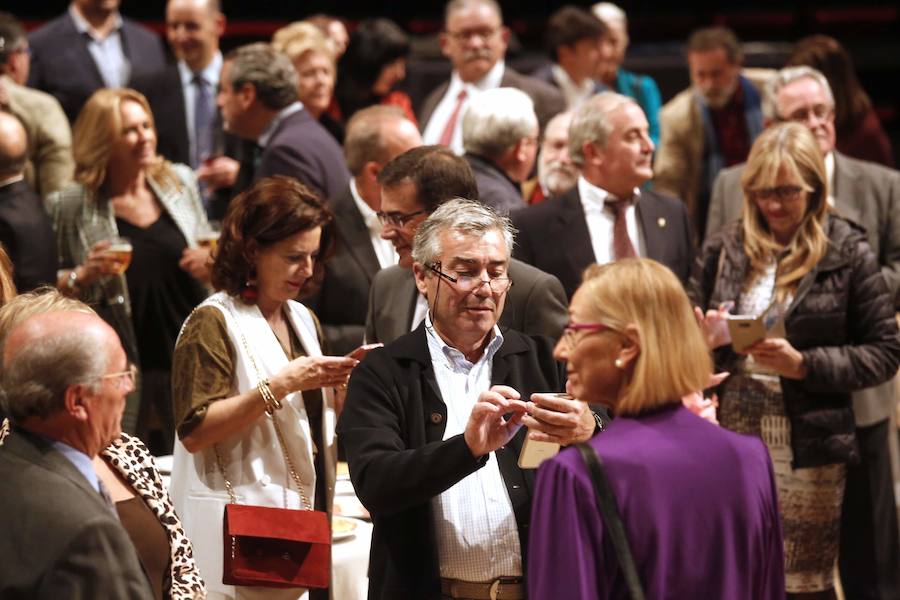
(269, 399)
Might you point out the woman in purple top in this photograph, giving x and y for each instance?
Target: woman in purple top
(698, 503)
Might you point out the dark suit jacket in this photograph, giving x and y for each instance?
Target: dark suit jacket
(60, 539)
(300, 147)
(27, 234)
(62, 65)
(392, 429)
(535, 304)
(554, 237)
(494, 188)
(548, 101)
(341, 303)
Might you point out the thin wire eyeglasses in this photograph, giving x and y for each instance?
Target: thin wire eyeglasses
(124, 379)
(469, 283)
(397, 219)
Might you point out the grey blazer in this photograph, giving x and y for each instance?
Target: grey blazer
(867, 194)
(60, 539)
(535, 304)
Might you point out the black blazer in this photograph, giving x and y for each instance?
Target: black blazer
(300, 147)
(62, 65)
(392, 428)
(60, 539)
(341, 302)
(553, 236)
(27, 234)
(494, 188)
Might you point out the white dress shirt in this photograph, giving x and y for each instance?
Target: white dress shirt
(108, 54)
(285, 112)
(829, 173)
(574, 93)
(475, 525)
(211, 75)
(384, 249)
(419, 312)
(601, 220)
(444, 109)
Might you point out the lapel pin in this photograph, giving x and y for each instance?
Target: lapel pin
(661, 221)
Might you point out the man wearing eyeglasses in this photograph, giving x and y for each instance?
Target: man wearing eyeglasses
(414, 185)
(869, 195)
(475, 40)
(64, 382)
(432, 422)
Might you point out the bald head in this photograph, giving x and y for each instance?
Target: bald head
(43, 328)
(13, 146)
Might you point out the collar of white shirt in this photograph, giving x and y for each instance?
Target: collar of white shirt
(829, 172)
(82, 25)
(370, 218)
(210, 72)
(573, 92)
(490, 81)
(283, 114)
(444, 354)
(593, 198)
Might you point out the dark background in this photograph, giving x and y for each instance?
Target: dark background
(870, 31)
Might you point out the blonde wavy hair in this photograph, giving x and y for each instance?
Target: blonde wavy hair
(7, 285)
(301, 37)
(789, 149)
(673, 359)
(98, 125)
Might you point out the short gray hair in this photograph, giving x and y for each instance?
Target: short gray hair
(269, 71)
(458, 5)
(497, 120)
(467, 217)
(365, 140)
(591, 122)
(785, 77)
(607, 11)
(35, 378)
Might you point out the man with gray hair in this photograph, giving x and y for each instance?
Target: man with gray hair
(64, 381)
(869, 195)
(374, 136)
(556, 173)
(500, 137)
(606, 216)
(258, 100)
(438, 413)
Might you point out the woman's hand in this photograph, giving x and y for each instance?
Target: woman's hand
(778, 355)
(96, 265)
(311, 372)
(714, 325)
(559, 418)
(197, 262)
(700, 405)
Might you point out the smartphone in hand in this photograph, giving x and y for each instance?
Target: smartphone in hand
(361, 352)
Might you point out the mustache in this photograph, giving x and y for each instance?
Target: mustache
(476, 54)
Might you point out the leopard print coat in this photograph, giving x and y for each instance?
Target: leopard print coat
(130, 458)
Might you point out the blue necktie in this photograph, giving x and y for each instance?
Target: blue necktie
(203, 120)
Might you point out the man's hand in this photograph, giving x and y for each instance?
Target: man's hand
(487, 430)
(559, 418)
(197, 262)
(219, 172)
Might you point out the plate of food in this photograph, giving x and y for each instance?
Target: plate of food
(343, 527)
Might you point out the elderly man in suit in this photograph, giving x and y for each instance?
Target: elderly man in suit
(258, 100)
(475, 40)
(607, 215)
(414, 185)
(869, 195)
(49, 165)
(374, 136)
(25, 228)
(500, 137)
(64, 381)
(428, 413)
(102, 49)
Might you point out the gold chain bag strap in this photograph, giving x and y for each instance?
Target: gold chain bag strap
(267, 546)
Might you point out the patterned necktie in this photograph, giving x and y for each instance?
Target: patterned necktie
(203, 118)
(447, 135)
(622, 246)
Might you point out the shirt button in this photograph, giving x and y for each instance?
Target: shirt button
(437, 418)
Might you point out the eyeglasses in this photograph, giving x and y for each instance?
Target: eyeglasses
(485, 33)
(470, 283)
(570, 335)
(124, 379)
(785, 193)
(397, 219)
(822, 112)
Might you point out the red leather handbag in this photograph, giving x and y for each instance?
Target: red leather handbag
(276, 547)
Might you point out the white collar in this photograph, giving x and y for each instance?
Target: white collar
(593, 198)
(283, 114)
(438, 347)
(490, 81)
(82, 25)
(370, 218)
(569, 86)
(210, 72)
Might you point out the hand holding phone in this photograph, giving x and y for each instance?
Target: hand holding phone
(360, 352)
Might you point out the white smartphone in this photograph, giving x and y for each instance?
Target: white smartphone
(745, 331)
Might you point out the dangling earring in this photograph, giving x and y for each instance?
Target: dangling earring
(250, 292)
(619, 363)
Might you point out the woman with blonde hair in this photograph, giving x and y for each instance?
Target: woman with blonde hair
(7, 285)
(124, 188)
(697, 502)
(811, 278)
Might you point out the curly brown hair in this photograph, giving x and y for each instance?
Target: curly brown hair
(272, 210)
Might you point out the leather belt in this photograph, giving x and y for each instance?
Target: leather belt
(502, 588)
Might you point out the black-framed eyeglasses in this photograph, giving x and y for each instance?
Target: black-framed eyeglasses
(570, 335)
(785, 193)
(485, 33)
(470, 283)
(398, 219)
(124, 379)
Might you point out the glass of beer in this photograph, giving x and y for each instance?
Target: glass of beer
(118, 255)
(208, 236)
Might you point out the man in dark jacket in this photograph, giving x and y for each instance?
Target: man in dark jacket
(432, 456)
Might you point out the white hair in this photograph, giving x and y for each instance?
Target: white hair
(785, 77)
(609, 12)
(496, 120)
(591, 122)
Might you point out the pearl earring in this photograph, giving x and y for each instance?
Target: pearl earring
(619, 363)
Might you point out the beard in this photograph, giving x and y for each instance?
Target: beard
(557, 177)
(718, 98)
